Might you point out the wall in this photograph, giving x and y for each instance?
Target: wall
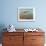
(9, 13)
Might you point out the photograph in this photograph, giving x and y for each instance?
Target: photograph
(26, 14)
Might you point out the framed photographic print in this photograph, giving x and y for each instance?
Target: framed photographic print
(26, 14)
